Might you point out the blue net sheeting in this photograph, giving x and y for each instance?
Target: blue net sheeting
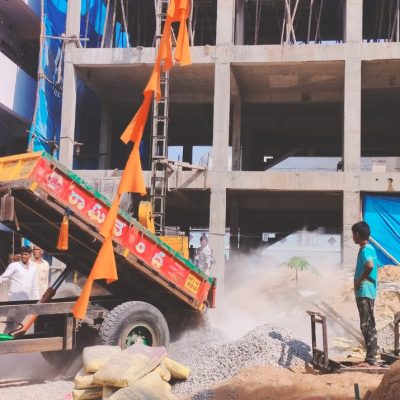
(45, 128)
(382, 213)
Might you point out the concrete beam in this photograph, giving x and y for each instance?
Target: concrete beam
(241, 54)
(137, 55)
(276, 181)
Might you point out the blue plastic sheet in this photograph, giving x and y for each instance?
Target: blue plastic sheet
(46, 123)
(382, 213)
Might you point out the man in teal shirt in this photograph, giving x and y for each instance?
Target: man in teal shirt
(365, 282)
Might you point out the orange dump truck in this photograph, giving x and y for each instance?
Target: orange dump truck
(157, 289)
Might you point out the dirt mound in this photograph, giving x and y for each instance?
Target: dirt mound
(389, 274)
(389, 388)
(272, 383)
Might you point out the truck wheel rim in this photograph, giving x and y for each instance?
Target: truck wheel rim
(140, 333)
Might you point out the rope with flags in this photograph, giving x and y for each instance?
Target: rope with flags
(132, 179)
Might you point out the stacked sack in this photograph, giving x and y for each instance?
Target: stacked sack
(136, 373)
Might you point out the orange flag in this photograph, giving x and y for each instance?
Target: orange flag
(104, 268)
(182, 51)
(165, 52)
(132, 179)
(134, 131)
(153, 85)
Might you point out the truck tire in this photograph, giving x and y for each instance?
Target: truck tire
(134, 322)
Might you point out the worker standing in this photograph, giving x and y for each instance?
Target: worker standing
(365, 284)
(22, 277)
(42, 269)
(204, 255)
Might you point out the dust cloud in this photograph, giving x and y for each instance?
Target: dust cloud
(259, 291)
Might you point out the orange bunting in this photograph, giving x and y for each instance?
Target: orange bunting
(132, 179)
(108, 224)
(104, 268)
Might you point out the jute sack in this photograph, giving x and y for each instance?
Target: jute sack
(83, 380)
(178, 371)
(87, 394)
(95, 357)
(108, 391)
(150, 387)
(164, 373)
(122, 371)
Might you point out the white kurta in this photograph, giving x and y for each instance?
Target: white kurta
(23, 281)
(204, 259)
(42, 273)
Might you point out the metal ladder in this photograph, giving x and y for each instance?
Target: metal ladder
(159, 151)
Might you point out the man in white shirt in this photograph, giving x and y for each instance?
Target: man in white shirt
(22, 277)
(204, 256)
(42, 269)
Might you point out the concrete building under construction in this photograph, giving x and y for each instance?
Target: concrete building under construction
(295, 101)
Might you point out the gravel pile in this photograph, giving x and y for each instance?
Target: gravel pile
(211, 360)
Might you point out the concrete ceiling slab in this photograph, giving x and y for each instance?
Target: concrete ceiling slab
(291, 82)
(25, 22)
(121, 84)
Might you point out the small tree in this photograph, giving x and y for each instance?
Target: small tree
(298, 264)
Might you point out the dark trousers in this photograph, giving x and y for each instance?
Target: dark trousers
(367, 324)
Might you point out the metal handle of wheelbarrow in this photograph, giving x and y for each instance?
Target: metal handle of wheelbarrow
(29, 320)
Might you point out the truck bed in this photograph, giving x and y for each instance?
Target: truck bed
(148, 268)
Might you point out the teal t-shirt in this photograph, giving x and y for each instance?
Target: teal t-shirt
(368, 286)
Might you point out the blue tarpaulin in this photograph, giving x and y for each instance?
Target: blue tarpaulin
(46, 123)
(382, 213)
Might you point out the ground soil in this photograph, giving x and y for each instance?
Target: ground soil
(270, 383)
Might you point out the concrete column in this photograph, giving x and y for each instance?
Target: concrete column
(239, 25)
(68, 110)
(236, 135)
(351, 215)
(245, 142)
(233, 226)
(352, 115)
(353, 21)
(225, 21)
(105, 136)
(220, 166)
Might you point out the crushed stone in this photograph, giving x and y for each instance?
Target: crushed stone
(212, 359)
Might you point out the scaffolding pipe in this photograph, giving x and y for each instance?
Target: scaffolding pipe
(125, 23)
(317, 31)
(309, 21)
(105, 24)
